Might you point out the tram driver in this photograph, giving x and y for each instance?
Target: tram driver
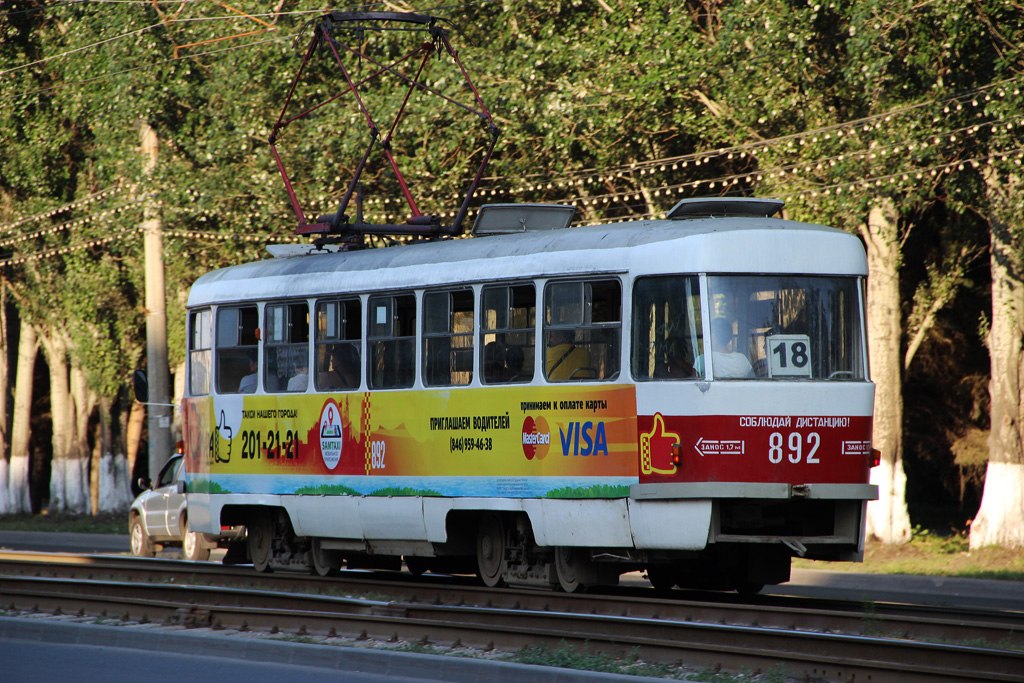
(728, 363)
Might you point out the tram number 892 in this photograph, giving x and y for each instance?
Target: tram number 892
(795, 448)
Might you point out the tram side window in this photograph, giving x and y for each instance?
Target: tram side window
(200, 354)
(392, 341)
(237, 349)
(338, 344)
(448, 338)
(507, 333)
(582, 329)
(666, 327)
(286, 349)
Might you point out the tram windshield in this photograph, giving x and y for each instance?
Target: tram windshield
(785, 327)
(761, 327)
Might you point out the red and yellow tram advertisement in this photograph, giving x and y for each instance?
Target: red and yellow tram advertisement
(743, 448)
(439, 440)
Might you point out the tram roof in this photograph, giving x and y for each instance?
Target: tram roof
(703, 245)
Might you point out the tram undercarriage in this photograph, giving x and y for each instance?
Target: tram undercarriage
(750, 545)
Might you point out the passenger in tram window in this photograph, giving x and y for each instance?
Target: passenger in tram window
(248, 383)
(728, 364)
(494, 363)
(566, 360)
(675, 364)
(300, 379)
(514, 360)
(344, 369)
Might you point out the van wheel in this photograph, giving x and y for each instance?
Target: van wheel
(193, 546)
(142, 544)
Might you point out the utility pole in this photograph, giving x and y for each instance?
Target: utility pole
(158, 410)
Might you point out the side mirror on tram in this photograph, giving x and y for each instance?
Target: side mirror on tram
(141, 386)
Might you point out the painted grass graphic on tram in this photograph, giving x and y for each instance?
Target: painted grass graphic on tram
(340, 490)
(205, 486)
(596, 491)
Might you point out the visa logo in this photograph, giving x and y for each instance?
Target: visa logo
(584, 438)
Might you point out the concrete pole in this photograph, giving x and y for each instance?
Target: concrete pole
(159, 416)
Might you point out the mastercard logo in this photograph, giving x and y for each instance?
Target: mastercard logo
(536, 438)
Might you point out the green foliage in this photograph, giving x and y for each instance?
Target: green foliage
(568, 657)
(621, 108)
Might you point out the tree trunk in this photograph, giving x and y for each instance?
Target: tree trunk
(1000, 519)
(66, 493)
(133, 435)
(112, 482)
(5, 505)
(84, 401)
(887, 518)
(20, 500)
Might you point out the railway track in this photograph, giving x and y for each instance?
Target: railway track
(824, 642)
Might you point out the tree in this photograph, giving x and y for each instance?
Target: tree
(1000, 520)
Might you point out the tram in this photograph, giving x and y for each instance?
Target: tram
(541, 404)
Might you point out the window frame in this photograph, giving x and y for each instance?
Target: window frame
(239, 347)
(324, 346)
(494, 360)
(585, 328)
(296, 351)
(197, 353)
(455, 350)
(396, 342)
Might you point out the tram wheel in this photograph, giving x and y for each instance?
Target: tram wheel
(322, 561)
(490, 551)
(260, 537)
(565, 570)
(661, 577)
(749, 588)
(417, 566)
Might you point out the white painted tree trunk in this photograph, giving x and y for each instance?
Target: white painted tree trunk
(65, 481)
(115, 493)
(1000, 518)
(5, 497)
(19, 499)
(887, 518)
(83, 401)
(5, 383)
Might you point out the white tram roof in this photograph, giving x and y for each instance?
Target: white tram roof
(732, 244)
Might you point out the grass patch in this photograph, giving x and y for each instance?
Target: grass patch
(566, 657)
(932, 554)
(107, 523)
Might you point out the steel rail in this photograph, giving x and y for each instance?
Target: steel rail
(821, 654)
(918, 622)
